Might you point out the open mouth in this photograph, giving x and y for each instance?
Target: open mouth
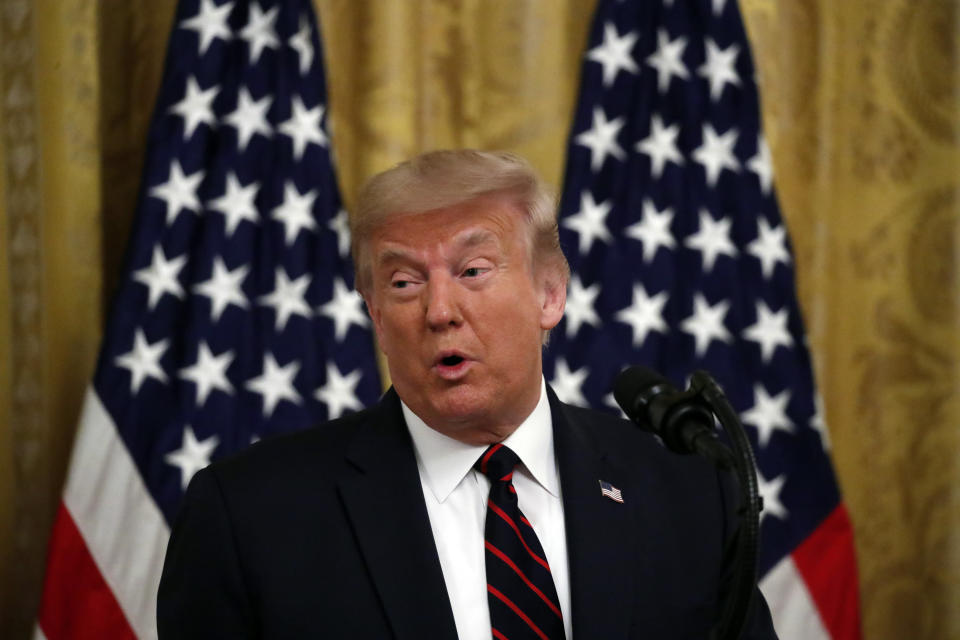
(452, 365)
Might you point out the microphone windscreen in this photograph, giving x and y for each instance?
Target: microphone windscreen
(631, 382)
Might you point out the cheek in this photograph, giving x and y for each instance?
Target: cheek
(399, 330)
(516, 318)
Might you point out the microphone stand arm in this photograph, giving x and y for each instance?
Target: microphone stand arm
(744, 578)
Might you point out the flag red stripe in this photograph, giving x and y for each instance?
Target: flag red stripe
(510, 563)
(826, 562)
(77, 602)
(498, 635)
(502, 598)
(497, 510)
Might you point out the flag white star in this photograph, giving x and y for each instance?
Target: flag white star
(340, 225)
(716, 153)
(706, 323)
(580, 309)
(249, 117)
(770, 492)
(344, 308)
(768, 414)
(300, 42)
(295, 212)
(236, 204)
(287, 298)
(209, 23)
(653, 230)
(590, 222)
(223, 288)
(143, 360)
(762, 165)
(769, 247)
(645, 314)
(661, 145)
(339, 392)
(718, 6)
(179, 191)
(259, 31)
(668, 59)
(303, 126)
(567, 384)
(712, 239)
(196, 107)
(719, 68)
(611, 402)
(275, 384)
(161, 276)
(192, 456)
(614, 53)
(209, 372)
(770, 331)
(601, 139)
(817, 422)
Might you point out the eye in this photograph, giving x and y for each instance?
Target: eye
(401, 280)
(477, 269)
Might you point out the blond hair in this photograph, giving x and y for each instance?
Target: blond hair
(441, 179)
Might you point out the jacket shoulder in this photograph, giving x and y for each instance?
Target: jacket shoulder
(317, 452)
(627, 444)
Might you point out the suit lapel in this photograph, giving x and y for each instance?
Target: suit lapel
(603, 538)
(385, 504)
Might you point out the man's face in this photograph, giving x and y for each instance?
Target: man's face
(459, 313)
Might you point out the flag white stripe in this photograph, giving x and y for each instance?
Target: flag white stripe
(121, 525)
(791, 606)
(38, 633)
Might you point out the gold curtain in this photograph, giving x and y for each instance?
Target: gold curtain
(862, 110)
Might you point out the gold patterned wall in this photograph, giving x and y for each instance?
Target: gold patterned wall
(862, 104)
(862, 110)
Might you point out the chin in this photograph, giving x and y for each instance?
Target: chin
(462, 406)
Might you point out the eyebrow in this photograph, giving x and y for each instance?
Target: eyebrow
(474, 237)
(394, 254)
(466, 240)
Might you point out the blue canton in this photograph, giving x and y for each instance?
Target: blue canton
(679, 254)
(236, 318)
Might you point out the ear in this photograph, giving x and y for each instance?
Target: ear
(553, 297)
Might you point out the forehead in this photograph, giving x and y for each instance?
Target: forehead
(484, 222)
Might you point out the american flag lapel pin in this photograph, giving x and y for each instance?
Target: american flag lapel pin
(610, 491)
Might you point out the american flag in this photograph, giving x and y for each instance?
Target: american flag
(611, 491)
(235, 319)
(681, 261)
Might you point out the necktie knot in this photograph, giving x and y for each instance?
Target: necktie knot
(497, 463)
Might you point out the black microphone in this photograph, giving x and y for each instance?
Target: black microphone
(682, 420)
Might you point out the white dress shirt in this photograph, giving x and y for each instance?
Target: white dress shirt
(456, 497)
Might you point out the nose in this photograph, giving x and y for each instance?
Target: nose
(442, 303)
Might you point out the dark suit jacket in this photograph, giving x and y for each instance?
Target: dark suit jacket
(325, 534)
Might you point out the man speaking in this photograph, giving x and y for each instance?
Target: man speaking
(469, 502)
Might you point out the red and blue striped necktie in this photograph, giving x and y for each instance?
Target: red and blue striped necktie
(520, 591)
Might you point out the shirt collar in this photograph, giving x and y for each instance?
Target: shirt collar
(445, 461)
